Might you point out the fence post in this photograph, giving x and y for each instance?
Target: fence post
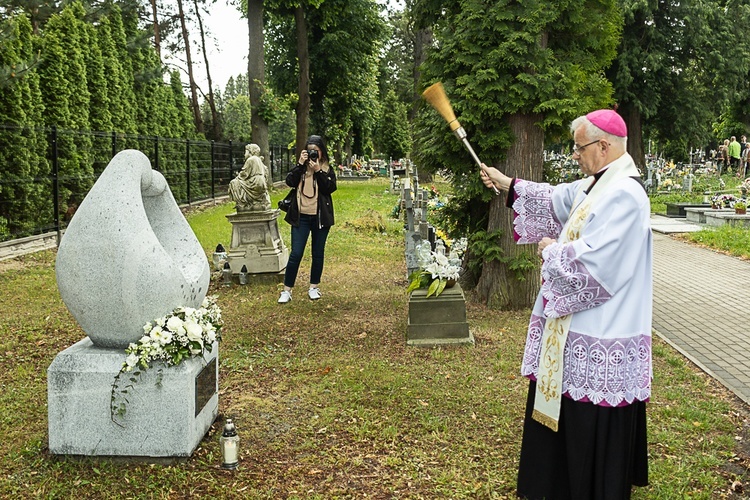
(55, 183)
(156, 153)
(187, 168)
(114, 144)
(270, 163)
(231, 162)
(213, 169)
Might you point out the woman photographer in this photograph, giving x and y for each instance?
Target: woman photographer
(311, 212)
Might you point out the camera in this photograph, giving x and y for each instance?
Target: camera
(312, 154)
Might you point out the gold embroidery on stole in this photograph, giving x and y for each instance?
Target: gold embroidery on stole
(549, 377)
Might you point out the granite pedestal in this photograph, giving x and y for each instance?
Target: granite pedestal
(678, 209)
(355, 178)
(698, 215)
(164, 418)
(438, 320)
(256, 243)
(727, 218)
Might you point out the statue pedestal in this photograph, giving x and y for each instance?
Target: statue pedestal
(438, 320)
(256, 243)
(167, 415)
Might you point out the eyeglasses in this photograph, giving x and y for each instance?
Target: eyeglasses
(578, 149)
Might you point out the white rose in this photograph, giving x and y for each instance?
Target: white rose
(131, 360)
(194, 331)
(211, 336)
(174, 324)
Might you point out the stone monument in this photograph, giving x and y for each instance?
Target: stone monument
(128, 257)
(256, 242)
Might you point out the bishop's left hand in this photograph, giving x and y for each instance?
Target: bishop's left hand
(544, 243)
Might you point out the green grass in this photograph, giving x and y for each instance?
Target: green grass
(732, 240)
(701, 185)
(330, 402)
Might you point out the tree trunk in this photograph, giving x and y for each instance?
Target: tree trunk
(499, 286)
(422, 41)
(339, 153)
(193, 87)
(632, 118)
(157, 33)
(348, 149)
(215, 125)
(256, 75)
(303, 104)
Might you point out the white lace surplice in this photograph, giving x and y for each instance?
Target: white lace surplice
(603, 278)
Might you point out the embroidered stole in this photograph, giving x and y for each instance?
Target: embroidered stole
(549, 393)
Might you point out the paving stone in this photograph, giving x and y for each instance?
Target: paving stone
(700, 299)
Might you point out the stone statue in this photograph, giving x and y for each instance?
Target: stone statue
(140, 257)
(249, 189)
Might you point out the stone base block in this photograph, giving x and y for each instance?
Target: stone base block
(256, 243)
(678, 209)
(356, 178)
(698, 215)
(164, 418)
(729, 219)
(266, 278)
(438, 320)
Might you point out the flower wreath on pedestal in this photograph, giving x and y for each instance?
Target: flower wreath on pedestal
(436, 270)
(184, 333)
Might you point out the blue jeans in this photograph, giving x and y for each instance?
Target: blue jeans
(307, 224)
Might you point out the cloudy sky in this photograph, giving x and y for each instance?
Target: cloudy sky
(227, 53)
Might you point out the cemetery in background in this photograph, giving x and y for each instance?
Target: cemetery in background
(47, 175)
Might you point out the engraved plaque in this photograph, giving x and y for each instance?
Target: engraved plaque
(205, 386)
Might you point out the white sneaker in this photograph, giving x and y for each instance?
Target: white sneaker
(313, 293)
(285, 297)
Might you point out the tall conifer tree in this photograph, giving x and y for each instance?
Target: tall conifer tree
(25, 203)
(65, 94)
(514, 70)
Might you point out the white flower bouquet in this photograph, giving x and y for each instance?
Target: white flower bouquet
(184, 333)
(436, 270)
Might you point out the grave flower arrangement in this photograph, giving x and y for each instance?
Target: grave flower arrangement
(435, 203)
(184, 333)
(436, 270)
(723, 200)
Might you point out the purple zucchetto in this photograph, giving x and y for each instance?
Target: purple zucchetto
(609, 121)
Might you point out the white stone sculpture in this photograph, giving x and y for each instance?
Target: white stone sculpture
(128, 255)
(249, 190)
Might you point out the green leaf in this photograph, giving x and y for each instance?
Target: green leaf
(435, 287)
(415, 283)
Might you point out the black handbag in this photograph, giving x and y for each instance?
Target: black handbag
(287, 201)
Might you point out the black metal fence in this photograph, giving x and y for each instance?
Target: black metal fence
(42, 199)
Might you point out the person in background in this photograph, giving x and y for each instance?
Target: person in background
(734, 154)
(311, 213)
(723, 156)
(588, 346)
